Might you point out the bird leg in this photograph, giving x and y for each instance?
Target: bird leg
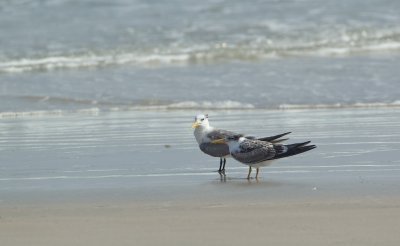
(223, 168)
(220, 165)
(248, 175)
(258, 169)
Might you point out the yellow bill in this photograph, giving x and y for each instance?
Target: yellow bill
(195, 125)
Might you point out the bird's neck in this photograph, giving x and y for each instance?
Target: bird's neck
(200, 133)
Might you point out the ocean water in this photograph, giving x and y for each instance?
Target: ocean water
(61, 56)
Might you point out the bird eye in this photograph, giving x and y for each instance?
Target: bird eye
(201, 119)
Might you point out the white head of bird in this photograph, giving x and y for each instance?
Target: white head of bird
(201, 121)
(201, 127)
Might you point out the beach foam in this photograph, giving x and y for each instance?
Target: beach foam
(203, 54)
(190, 105)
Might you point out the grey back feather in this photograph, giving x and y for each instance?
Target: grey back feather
(253, 151)
(219, 134)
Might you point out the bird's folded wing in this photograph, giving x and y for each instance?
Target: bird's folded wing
(216, 150)
(219, 134)
(254, 151)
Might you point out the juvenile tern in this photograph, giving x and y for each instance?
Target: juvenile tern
(256, 153)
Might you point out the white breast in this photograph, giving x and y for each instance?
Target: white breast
(200, 134)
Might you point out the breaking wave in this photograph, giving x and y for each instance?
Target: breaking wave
(191, 105)
(262, 48)
(340, 105)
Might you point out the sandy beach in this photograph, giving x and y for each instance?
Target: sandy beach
(354, 222)
(128, 181)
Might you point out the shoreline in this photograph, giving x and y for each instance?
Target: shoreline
(167, 108)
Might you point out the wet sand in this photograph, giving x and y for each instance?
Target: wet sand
(137, 178)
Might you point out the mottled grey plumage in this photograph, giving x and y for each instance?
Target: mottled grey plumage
(257, 153)
(253, 151)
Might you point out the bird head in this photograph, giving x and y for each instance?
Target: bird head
(201, 120)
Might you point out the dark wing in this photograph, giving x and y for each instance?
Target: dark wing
(215, 150)
(276, 138)
(253, 151)
(292, 149)
(272, 139)
(218, 134)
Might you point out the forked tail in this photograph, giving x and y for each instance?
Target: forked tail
(292, 149)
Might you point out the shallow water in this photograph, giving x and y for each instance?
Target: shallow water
(283, 83)
(153, 155)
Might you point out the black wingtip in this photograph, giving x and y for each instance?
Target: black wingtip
(308, 147)
(297, 148)
(272, 138)
(279, 140)
(297, 145)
